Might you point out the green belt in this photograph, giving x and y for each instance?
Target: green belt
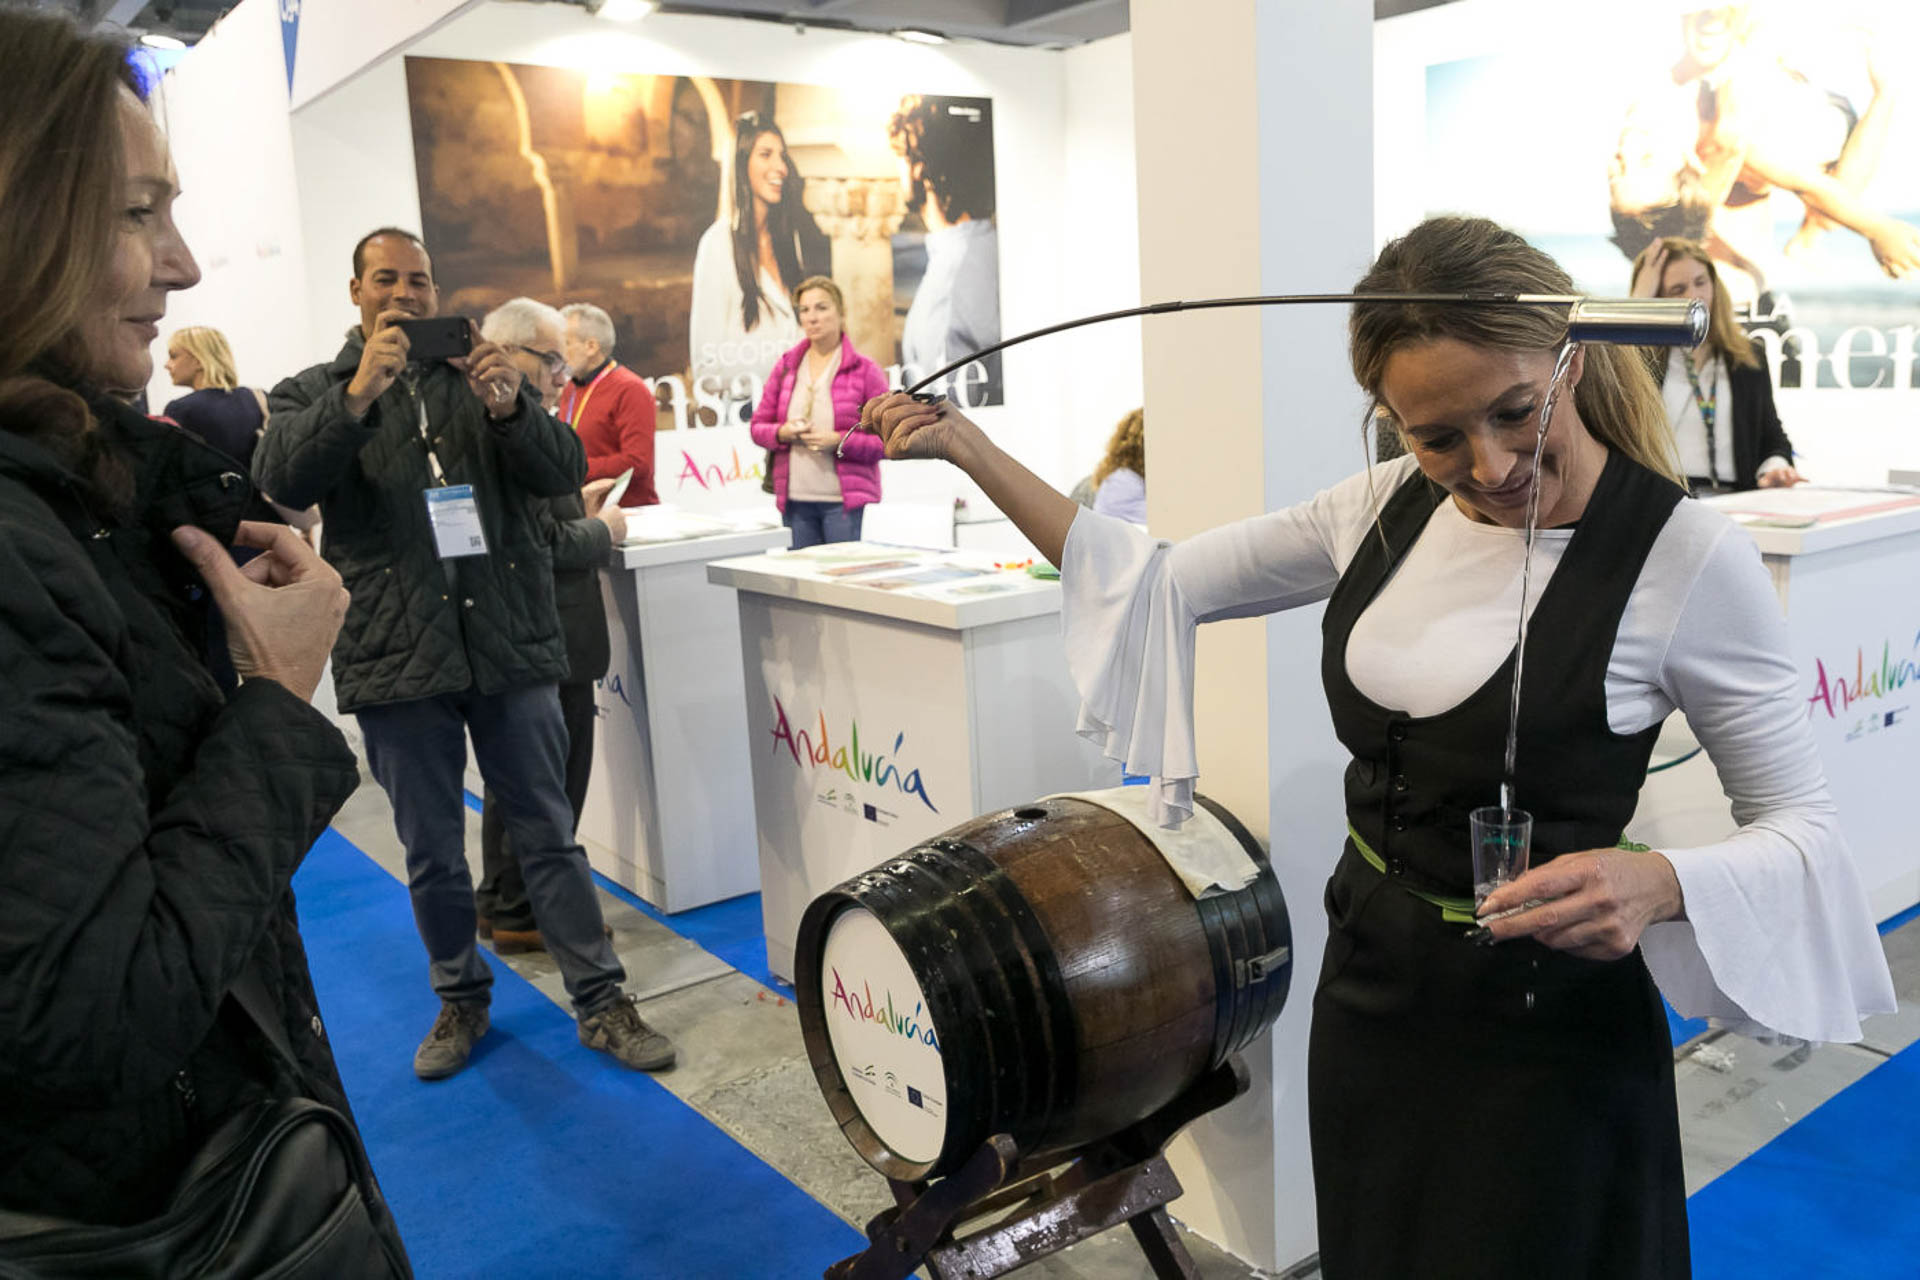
(1452, 910)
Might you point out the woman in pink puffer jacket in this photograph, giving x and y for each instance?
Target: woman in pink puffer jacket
(810, 404)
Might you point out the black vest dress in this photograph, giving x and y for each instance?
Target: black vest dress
(1508, 1110)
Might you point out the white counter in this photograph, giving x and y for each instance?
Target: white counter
(884, 708)
(1846, 564)
(666, 813)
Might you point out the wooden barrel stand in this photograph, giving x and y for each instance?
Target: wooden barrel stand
(1123, 1178)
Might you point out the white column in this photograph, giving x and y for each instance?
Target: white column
(1255, 138)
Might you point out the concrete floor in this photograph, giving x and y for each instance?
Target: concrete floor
(743, 1066)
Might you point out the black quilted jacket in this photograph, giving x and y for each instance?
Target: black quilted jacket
(148, 833)
(420, 625)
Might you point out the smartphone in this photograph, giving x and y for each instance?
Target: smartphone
(441, 338)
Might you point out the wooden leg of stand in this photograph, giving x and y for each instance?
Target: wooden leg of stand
(1160, 1241)
(900, 1239)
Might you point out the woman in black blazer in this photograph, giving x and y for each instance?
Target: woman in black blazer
(1718, 396)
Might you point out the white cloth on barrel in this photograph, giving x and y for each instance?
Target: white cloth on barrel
(1201, 851)
(1778, 938)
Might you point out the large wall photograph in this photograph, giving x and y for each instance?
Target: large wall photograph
(1781, 134)
(688, 207)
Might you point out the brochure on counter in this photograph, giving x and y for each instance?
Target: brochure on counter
(1804, 506)
(917, 571)
(661, 522)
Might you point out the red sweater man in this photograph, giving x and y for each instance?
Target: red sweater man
(608, 405)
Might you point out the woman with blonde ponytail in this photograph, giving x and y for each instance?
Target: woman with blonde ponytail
(1506, 1109)
(216, 407)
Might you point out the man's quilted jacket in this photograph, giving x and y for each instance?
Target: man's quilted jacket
(420, 625)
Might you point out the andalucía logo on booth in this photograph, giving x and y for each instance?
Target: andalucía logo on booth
(882, 770)
(1836, 694)
(712, 475)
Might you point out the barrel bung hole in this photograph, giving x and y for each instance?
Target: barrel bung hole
(1032, 813)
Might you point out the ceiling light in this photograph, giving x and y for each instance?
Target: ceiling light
(624, 10)
(162, 42)
(914, 36)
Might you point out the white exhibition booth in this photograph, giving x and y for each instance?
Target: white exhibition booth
(1169, 164)
(893, 694)
(1846, 564)
(664, 816)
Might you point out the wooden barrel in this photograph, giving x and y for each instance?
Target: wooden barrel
(1040, 972)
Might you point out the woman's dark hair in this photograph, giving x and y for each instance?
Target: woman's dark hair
(799, 246)
(948, 145)
(62, 170)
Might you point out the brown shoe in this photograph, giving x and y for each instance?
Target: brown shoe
(619, 1032)
(513, 942)
(450, 1043)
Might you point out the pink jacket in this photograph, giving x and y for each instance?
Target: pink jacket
(857, 381)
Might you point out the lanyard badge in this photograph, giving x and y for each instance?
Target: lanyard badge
(451, 508)
(455, 517)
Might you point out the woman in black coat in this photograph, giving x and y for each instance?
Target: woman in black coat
(149, 828)
(1718, 397)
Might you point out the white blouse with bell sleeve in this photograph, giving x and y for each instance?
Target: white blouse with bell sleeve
(1777, 937)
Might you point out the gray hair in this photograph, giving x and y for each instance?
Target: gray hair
(517, 320)
(593, 323)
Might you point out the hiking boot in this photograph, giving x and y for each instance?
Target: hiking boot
(450, 1043)
(618, 1030)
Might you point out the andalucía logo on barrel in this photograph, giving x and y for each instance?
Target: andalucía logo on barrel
(861, 1007)
(880, 770)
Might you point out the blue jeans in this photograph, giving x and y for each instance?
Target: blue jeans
(816, 522)
(417, 751)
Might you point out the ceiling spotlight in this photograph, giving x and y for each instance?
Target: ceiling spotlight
(162, 42)
(622, 10)
(913, 35)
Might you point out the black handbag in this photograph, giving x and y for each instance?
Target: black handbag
(280, 1189)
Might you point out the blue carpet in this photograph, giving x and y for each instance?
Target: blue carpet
(1837, 1195)
(733, 930)
(542, 1158)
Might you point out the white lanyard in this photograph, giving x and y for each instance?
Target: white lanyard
(426, 436)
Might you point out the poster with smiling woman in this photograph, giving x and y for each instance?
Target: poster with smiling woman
(1776, 133)
(689, 206)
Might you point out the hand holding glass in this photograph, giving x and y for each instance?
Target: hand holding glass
(1502, 840)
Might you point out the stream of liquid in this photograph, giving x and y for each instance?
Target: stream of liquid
(1560, 369)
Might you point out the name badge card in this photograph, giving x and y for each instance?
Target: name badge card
(456, 521)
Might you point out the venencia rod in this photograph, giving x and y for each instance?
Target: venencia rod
(1645, 322)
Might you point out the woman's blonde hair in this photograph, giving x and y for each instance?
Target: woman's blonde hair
(209, 347)
(1127, 448)
(826, 286)
(1724, 333)
(1616, 398)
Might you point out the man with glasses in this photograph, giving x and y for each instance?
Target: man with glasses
(430, 475)
(608, 405)
(582, 529)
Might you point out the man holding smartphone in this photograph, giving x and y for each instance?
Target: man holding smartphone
(428, 475)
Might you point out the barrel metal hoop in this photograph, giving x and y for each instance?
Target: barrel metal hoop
(1249, 938)
(1042, 1004)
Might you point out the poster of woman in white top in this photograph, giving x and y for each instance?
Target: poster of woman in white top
(745, 268)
